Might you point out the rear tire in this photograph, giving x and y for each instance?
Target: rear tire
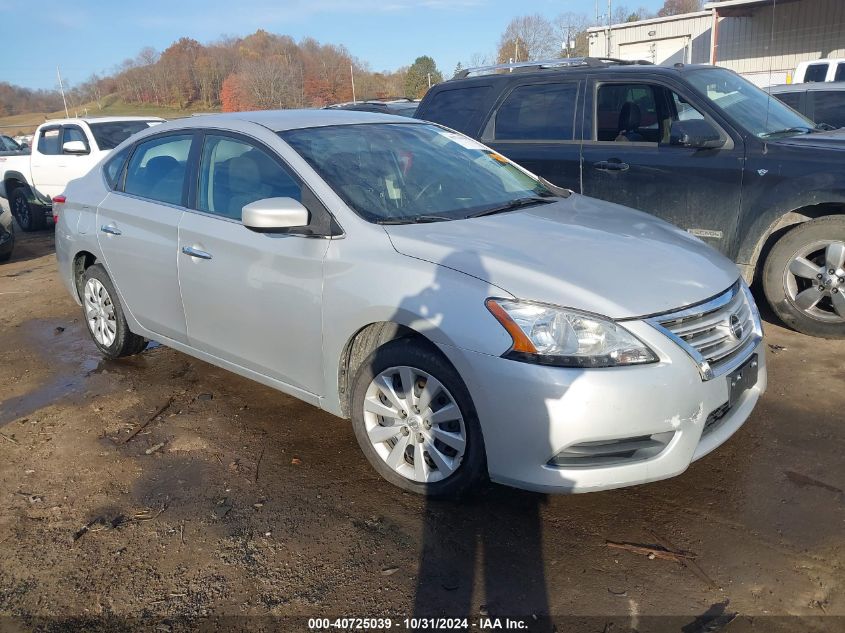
(798, 281)
(104, 316)
(437, 456)
(29, 217)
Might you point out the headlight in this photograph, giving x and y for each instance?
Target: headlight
(567, 338)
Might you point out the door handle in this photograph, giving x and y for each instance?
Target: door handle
(195, 252)
(611, 165)
(111, 229)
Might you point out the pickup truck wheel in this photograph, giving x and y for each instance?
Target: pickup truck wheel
(29, 219)
(104, 316)
(415, 422)
(804, 278)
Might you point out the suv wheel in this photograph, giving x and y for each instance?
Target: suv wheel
(104, 316)
(804, 277)
(415, 422)
(29, 219)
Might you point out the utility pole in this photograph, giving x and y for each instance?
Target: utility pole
(609, 20)
(352, 76)
(62, 88)
(429, 81)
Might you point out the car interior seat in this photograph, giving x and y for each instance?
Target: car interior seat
(629, 123)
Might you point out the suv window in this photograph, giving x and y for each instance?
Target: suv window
(829, 107)
(792, 99)
(459, 108)
(48, 142)
(157, 169)
(815, 73)
(114, 166)
(840, 72)
(234, 173)
(538, 112)
(627, 113)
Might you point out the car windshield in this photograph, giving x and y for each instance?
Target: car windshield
(395, 173)
(758, 112)
(112, 133)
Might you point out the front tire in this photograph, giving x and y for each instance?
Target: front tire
(415, 422)
(104, 316)
(29, 217)
(804, 278)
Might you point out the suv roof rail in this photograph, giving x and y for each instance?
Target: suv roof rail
(547, 64)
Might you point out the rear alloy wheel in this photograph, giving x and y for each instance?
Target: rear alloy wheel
(804, 278)
(104, 316)
(415, 422)
(29, 219)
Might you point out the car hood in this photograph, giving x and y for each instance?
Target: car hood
(579, 253)
(833, 140)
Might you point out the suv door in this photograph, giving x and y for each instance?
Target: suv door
(535, 126)
(628, 157)
(138, 226)
(253, 299)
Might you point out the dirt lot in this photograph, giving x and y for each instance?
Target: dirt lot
(237, 503)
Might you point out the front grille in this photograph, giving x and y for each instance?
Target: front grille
(718, 334)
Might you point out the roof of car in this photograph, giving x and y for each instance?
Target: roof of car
(812, 86)
(280, 120)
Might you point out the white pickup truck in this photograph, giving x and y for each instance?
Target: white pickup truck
(62, 150)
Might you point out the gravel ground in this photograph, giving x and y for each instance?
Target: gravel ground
(241, 507)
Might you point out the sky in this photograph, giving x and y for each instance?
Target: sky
(85, 37)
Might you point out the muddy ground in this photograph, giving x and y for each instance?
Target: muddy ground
(239, 502)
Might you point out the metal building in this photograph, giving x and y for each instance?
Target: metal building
(762, 39)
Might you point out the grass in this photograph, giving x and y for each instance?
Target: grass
(112, 105)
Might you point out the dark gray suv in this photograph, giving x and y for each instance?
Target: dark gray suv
(698, 146)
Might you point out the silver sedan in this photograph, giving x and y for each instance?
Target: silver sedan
(472, 320)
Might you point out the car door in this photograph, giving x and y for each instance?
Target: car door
(138, 225)
(47, 161)
(74, 165)
(535, 126)
(252, 299)
(628, 158)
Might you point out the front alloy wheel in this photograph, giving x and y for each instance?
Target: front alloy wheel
(415, 421)
(414, 424)
(804, 277)
(815, 281)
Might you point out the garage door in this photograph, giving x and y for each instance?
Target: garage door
(671, 50)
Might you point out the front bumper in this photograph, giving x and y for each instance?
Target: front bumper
(529, 414)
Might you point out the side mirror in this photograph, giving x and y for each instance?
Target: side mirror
(74, 147)
(274, 215)
(695, 133)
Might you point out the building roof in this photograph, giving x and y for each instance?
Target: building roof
(669, 18)
(739, 7)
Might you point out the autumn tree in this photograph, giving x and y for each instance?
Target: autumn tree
(678, 7)
(422, 73)
(528, 37)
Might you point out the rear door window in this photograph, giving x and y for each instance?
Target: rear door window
(840, 72)
(48, 141)
(460, 108)
(157, 169)
(114, 167)
(829, 107)
(538, 112)
(815, 73)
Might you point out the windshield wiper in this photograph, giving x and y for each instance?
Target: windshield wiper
(788, 130)
(513, 205)
(417, 219)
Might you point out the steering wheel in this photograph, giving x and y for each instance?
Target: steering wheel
(424, 189)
